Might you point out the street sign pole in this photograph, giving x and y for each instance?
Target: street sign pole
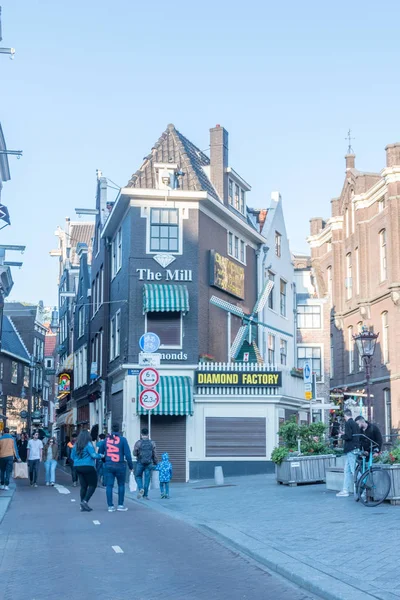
(149, 423)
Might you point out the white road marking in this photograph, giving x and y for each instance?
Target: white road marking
(61, 489)
(117, 549)
(96, 522)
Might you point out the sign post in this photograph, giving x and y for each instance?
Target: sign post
(149, 377)
(307, 379)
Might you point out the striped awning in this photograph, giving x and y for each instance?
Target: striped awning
(165, 298)
(176, 396)
(66, 418)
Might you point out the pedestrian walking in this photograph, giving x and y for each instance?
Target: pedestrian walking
(84, 457)
(165, 470)
(351, 444)
(22, 445)
(100, 463)
(50, 457)
(35, 451)
(70, 462)
(117, 454)
(146, 456)
(8, 451)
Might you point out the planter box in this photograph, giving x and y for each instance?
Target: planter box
(334, 478)
(304, 469)
(394, 473)
(340, 460)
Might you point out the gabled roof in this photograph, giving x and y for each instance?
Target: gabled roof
(81, 233)
(11, 342)
(173, 147)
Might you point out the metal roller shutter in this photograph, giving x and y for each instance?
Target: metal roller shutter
(235, 436)
(169, 434)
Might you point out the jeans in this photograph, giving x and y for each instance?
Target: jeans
(50, 468)
(139, 471)
(112, 471)
(74, 474)
(164, 488)
(100, 470)
(88, 480)
(6, 467)
(33, 466)
(349, 468)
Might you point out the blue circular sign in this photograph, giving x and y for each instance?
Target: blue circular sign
(149, 342)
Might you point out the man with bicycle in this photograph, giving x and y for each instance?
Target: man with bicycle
(351, 444)
(371, 431)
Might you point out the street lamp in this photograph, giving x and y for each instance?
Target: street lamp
(366, 343)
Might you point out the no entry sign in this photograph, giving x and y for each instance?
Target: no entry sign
(149, 377)
(149, 399)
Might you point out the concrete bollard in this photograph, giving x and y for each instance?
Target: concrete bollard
(218, 476)
(155, 480)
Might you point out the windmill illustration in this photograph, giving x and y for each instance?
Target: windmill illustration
(249, 320)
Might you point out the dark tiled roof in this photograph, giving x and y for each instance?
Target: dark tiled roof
(11, 342)
(173, 147)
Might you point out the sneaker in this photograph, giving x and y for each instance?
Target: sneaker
(343, 494)
(35, 485)
(6, 487)
(52, 484)
(140, 494)
(85, 506)
(111, 509)
(122, 508)
(47, 483)
(75, 483)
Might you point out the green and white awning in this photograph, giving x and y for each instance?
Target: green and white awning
(176, 396)
(165, 298)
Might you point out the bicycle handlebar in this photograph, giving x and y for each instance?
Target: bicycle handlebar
(367, 438)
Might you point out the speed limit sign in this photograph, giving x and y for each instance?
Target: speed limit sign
(149, 399)
(149, 377)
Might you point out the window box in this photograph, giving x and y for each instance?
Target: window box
(296, 372)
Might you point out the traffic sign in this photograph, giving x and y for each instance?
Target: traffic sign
(149, 342)
(308, 387)
(23, 414)
(148, 359)
(308, 395)
(307, 373)
(149, 399)
(149, 377)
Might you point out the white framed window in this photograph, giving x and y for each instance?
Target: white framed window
(381, 204)
(309, 316)
(329, 246)
(283, 351)
(116, 253)
(311, 354)
(236, 248)
(164, 230)
(98, 238)
(80, 367)
(237, 197)
(282, 297)
(115, 335)
(101, 286)
(383, 255)
(350, 348)
(388, 413)
(349, 278)
(278, 244)
(81, 321)
(230, 192)
(385, 337)
(271, 277)
(242, 201)
(168, 326)
(271, 349)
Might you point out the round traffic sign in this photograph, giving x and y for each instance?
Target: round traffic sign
(23, 414)
(149, 342)
(149, 399)
(149, 377)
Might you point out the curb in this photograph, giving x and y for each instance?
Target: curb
(5, 500)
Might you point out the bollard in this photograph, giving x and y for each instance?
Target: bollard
(155, 480)
(218, 476)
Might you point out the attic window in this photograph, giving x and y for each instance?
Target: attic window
(236, 197)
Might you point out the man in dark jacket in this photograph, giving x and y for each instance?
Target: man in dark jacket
(372, 432)
(351, 444)
(146, 456)
(117, 453)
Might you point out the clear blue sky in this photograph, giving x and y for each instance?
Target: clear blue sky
(94, 83)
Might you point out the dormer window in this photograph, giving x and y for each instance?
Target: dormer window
(236, 196)
(166, 176)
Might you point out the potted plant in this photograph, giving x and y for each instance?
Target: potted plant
(390, 461)
(296, 372)
(206, 358)
(303, 456)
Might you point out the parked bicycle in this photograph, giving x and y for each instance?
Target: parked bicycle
(371, 482)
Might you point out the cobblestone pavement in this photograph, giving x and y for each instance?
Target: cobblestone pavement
(325, 535)
(50, 550)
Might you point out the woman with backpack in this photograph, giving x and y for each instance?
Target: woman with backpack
(85, 456)
(145, 452)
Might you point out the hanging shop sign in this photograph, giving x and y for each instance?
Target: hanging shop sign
(249, 379)
(64, 383)
(226, 275)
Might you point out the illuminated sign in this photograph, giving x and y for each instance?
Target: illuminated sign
(238, 378)
(226, 275)
(64, 383)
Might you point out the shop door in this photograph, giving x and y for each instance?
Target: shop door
(169, 434)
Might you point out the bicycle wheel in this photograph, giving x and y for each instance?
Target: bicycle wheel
(373, 486)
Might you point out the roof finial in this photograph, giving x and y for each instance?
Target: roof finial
(349, 139)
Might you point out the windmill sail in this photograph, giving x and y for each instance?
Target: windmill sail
(239, 339)
(263, 297)
(235, 310)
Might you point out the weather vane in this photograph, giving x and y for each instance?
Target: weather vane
(349, 139)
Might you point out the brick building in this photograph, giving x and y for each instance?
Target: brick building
(356, 259)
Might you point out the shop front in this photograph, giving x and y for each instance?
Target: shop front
(17, 412)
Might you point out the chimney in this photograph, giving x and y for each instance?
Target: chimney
(219, 161)
(393, 155)
(316, 225)
(350, 161)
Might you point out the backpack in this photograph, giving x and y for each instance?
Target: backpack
(146, 452)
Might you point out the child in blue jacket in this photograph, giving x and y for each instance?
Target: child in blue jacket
(165, 470)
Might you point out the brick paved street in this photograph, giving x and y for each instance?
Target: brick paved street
(49, 550)
(349, 549)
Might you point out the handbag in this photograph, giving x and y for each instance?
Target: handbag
(20, 470)
(132, 482)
